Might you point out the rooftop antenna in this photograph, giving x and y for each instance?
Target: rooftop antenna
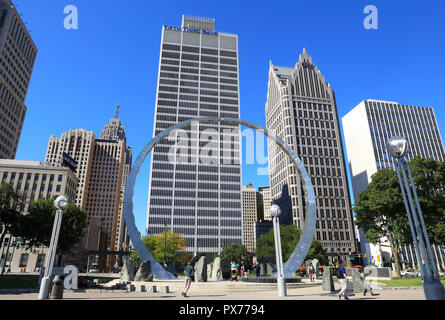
(116, 115)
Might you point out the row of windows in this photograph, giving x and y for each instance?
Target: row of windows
(163, 89)
(196, 57)
(173, 47)
(162, 183)
(170, 75)
(196, 84)
(333, 235)
(198, 71)
(202, 66)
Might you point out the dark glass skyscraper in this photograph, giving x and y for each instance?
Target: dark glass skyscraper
(301, 109)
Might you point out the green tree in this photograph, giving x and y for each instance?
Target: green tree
(10, 202)
(380, 208)
(429, 178)
(174, 248)
(41, 213)
(290, 235)
(318, 252)
(235, 252)
(373, 236)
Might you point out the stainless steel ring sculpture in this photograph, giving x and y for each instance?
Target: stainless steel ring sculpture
(303, 246)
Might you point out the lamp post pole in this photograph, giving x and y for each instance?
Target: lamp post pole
(275, 211)
(165, 243)
(432, 287)
(61, 202)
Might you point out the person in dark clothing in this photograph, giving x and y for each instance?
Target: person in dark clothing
(257, 269)
(188, 272)
(341, 275)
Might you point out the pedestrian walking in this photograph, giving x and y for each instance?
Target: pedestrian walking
(311, 271)
(257, 269)
(341, 275)
(233, 268)
(243, 272)
(188, 272)
(368, 287)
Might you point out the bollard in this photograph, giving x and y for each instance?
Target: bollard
(57, 290)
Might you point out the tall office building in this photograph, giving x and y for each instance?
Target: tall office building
(264, 201)
(195, 184)
(102, 167)
(17, 55)
(79, 144)
(367, 128)
(301, 109)
(114, 133)
(249, 216)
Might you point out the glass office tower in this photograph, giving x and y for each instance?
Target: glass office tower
(195, 176)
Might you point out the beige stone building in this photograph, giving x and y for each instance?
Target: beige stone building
(116, 132)
(249, 216)
(78, 144)
(17, 55)
(34, 180)
(102, 169)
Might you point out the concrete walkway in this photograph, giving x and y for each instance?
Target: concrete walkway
(218, 291)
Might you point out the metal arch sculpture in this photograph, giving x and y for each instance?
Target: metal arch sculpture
(303, 246)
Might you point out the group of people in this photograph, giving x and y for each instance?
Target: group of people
(238, 271)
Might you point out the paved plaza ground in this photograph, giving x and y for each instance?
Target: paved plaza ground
(219, 292)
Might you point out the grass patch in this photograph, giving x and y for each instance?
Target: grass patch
(19, 281)
(405, 282)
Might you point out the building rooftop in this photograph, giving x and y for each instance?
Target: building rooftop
(29, 163)
(207, 24)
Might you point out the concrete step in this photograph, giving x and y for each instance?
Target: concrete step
(213, 286)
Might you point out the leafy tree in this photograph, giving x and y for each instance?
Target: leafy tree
(236, 252)
(318, 252)
(429, 178)
(174, 248)
(380, 208)
(36, 226)
(373, 236)
(10, 202)
(290, 235)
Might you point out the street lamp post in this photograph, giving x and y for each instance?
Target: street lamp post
(61, 202)
(275, 211)
(165, 243)
(433, 288)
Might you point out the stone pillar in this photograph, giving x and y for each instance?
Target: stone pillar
(328, 282)
(201, 270)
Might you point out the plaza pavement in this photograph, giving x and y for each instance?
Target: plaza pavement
(216, 292)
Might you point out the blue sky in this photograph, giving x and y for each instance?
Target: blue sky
(80, 75)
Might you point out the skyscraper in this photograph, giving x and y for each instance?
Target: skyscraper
(367, 127)
(264, 202)
(115, 132)
(195, 185)
(78, 144)
(249, 216)
(103, 166)
(18, 53)
(301, 109)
